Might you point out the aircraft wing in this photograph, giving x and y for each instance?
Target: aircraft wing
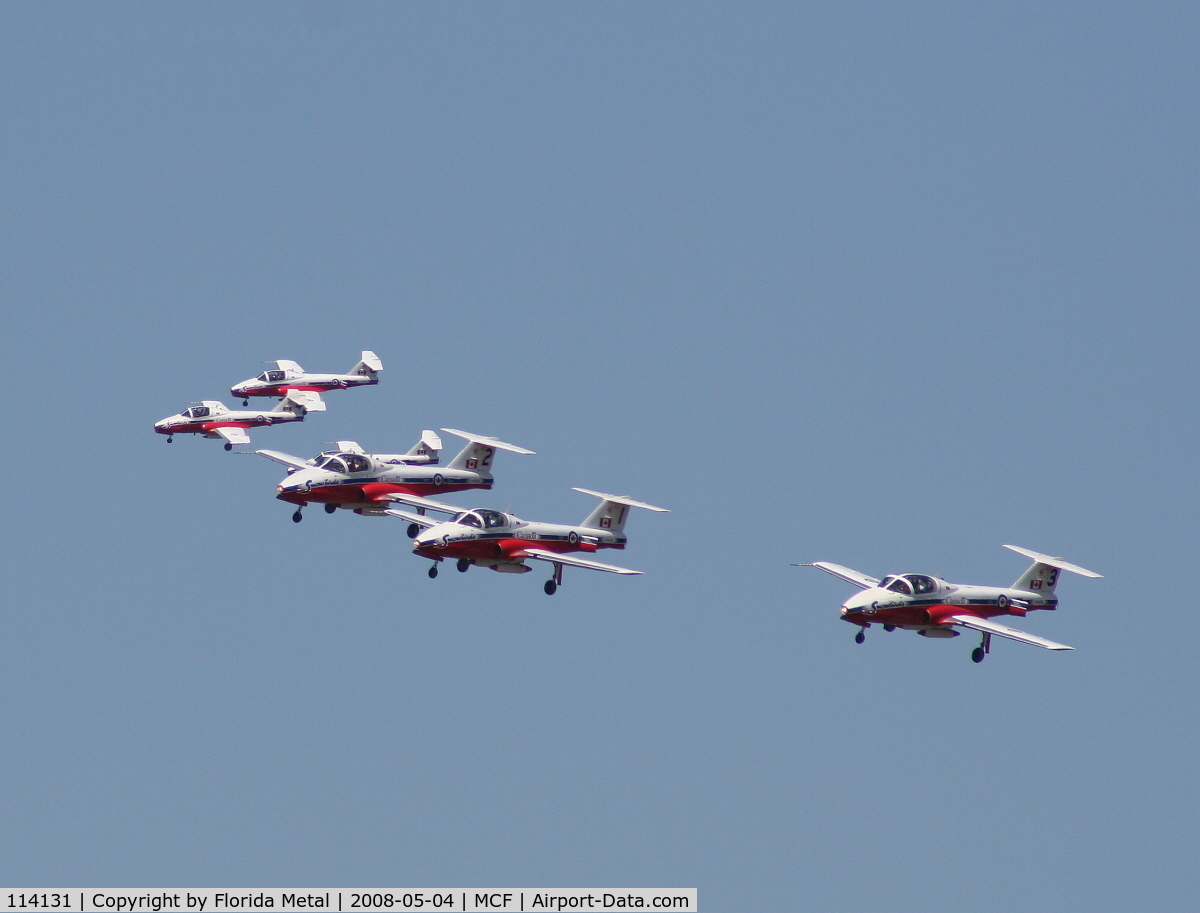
(284, 458)
(858, 578)
(427, 503)
(233, 435)
(421, 521)
(987, 626)
(571, 560)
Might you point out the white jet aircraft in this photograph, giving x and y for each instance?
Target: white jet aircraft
(213, 419)
(368, 483)
(287, 376)
(502, 542)
(934, 608)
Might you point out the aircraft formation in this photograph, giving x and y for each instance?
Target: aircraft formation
(401, 485)
(372, 484)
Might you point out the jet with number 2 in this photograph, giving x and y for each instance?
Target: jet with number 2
(367, 483)
(934, 608)
(502, 542)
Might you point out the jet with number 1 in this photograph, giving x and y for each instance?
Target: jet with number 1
(502, 542)
(214, 419)
(934, 608)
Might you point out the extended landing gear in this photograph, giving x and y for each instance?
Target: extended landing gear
(984, 648)
(245, 402)
(413, 530)
(553, 583)
(889, 628)
(229, 446)
(170, 440)
(464, 564)
(330, 508)
(433, 571)
(297, 516)
(860, 637)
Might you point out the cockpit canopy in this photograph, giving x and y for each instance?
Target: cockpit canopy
(909, 584)
(272, 377)
(344, 463)
(482, 519)
(198, 412)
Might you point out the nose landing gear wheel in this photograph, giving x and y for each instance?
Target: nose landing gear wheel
(245, 402)
(330, 508)
(550, 587)
(170, 440)
(297, 516)
(433, 572)
(889, 628)
(463, 565)
(860, 637)
(413, 530)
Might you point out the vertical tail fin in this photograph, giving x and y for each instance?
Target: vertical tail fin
(477, 455)
(1042, 575)
(428, 447)
(368, 365)
(612, 511)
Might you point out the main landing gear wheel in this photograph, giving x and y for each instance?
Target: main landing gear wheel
(170, 439)
(860, 637)
(463, 565)
(889, 628)
(433, 572)
(550, 587)
(245, 402)
(330, 508)
(413, 530)
(984, 648)
(297, 516)
(977, 655)
(229, 446)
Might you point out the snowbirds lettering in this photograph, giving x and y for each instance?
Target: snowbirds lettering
(502, 542)
(934, 608)
(213, 419)
(367, 483)
(287, 376)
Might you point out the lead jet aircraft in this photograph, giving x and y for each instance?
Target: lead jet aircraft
(934, 608)
(213, 419)
(366, 483)
(502, 542)
(288, 376)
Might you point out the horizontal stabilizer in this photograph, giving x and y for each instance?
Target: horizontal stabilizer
(850, 576)
(571, 560)
(233, 435)
(284, 458)
(303, 399)
(423, 522)
(621, 499)
(987, 626)
(425, 503)
(486, 441)
(1052, 561)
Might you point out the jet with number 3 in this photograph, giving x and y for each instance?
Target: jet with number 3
(502, 542)
(214, 419)
(934, 608)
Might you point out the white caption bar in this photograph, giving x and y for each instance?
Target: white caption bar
(343, 900)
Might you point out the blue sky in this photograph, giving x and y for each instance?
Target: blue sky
(871, 283)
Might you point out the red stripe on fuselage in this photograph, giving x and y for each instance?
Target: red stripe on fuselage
(925, 615)
(368, 492)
